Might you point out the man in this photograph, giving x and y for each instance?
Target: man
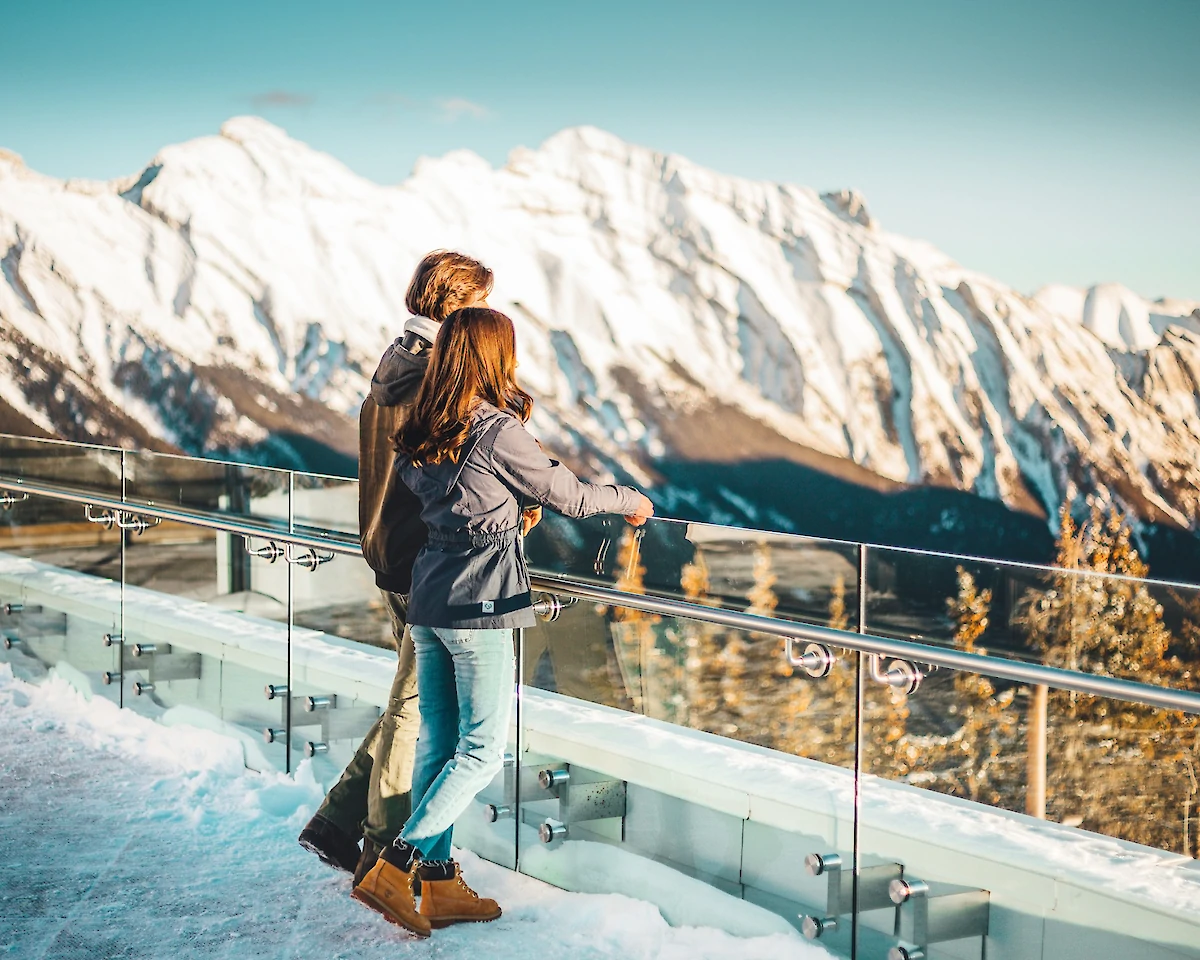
(372, 800)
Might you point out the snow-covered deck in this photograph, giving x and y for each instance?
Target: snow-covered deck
(121, 837)
(1056, 892)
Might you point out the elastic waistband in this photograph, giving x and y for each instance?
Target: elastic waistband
(457, 540)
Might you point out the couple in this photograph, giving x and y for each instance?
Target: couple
(450, 480)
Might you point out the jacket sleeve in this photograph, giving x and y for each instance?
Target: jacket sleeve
(520, 463)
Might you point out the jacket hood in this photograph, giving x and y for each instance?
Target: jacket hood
(398, 376)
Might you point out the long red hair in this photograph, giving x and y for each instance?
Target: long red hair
(473, 359)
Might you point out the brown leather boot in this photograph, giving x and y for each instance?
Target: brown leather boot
(387, 888)
(446, 899)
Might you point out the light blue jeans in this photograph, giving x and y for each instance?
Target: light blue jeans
(466, 679)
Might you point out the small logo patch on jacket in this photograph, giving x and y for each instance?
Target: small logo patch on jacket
(489, 606)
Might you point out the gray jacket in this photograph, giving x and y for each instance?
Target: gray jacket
(471, 572)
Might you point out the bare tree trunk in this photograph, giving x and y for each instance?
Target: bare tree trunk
(1035, 757)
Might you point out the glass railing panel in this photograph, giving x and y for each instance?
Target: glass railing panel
(60, 596)
(344, 660)
(1093, 622)
(206, 635)
(240, 492)
(326, 506)
(1027, 821)
(679, 755)
(800, 578)
(489, 826)
(73, 465)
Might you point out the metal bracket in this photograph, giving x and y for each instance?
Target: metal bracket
(136, 523)
(873, 890)
(117, 518)
(336, 722)
(495, 812)
(817, 660)
(903, 675)
(635, 551)
(933, 914)
(11, 609)
(306, 557)
(106, 518)
(579, 800)
(271, 552)
(175, 666)
(601, 556)
(161, 661)
(7, 499)
(549, 606)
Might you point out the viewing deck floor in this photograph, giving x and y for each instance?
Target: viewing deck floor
(121, 837)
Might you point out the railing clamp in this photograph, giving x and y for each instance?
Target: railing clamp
(601, 556)
(106, 518)
(7, 499)
(135, 522)
(548, 607)
(271, 552)
(902, 675)
(306, 557)
(817, 660)
(117, 518)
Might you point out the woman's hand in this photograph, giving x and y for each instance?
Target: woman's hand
(645, 511)
(530, 518)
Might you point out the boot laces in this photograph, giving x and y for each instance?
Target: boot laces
(463, 883)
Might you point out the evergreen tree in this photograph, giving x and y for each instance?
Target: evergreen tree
(976, 760)
(1115, 767)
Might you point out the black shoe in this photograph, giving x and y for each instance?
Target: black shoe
(331, 843)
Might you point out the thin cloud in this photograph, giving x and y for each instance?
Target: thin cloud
(285, 99)
(456, 107)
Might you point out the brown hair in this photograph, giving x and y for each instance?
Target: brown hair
(445, 281)
(473, 359)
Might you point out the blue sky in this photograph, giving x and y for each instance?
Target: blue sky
(1037, 142)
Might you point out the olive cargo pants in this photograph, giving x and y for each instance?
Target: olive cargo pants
(373, 798)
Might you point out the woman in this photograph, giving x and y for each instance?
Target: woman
(467, 456)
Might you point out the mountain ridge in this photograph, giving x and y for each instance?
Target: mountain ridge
(644, 286)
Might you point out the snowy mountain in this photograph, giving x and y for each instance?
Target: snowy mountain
(238, 291)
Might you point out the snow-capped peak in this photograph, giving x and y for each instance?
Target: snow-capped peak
(240, 273)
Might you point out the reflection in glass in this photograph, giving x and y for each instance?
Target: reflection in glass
(248, 493)
(656, 717)
(75, 466)
(606, 550)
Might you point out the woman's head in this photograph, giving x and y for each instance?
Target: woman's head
(445, 281)
(474, 359)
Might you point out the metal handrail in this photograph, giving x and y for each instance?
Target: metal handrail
(749, 531)
(1019, 671)
(1033, 673)
(338, 542)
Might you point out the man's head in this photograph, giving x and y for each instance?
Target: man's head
(446, 281)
